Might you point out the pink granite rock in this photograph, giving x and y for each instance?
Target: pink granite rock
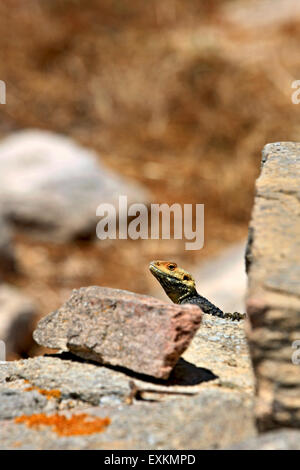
(121, 328)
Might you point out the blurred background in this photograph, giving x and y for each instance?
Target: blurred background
(175, 98)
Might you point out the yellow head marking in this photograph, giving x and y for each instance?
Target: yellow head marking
(175, 281)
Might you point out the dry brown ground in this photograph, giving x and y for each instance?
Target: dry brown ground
(180, 96)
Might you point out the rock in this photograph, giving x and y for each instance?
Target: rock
(221, 346)
(82, 383)
(215, 417)
(285, 439)
(51, 187)
(14, 403)
(17, 315)
(207, 402)
(7, 255)
(77, 382)
(260, 14)
(273, 299)
(121, 328)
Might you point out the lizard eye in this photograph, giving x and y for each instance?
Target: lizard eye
(171, 267)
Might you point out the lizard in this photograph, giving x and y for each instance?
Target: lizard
(180, 287)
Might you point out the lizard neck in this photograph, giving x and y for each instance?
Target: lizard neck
(188, 295)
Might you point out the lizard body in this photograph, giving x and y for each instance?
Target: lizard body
(180, 287)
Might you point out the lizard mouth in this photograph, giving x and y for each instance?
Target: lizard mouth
(154, 269)
(160, 275)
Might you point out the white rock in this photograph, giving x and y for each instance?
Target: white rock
(7, 255)
(51, 186)
(17, 313)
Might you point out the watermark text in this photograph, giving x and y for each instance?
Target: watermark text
(296, 354)
(2, 92)
(2, 351)
(139, 221)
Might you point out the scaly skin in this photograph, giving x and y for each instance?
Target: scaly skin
(180, 286)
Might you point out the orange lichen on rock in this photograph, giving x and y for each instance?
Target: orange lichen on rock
(48, 393)
(63, 426)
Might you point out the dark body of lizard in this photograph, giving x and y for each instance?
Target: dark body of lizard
(179, 285)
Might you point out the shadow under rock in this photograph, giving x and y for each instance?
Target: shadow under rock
(184, 373)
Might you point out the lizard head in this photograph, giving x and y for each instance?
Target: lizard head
(176, 282)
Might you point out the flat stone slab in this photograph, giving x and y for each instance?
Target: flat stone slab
(121, 328)
(76, 383)
(211, 420)
(205, 417)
